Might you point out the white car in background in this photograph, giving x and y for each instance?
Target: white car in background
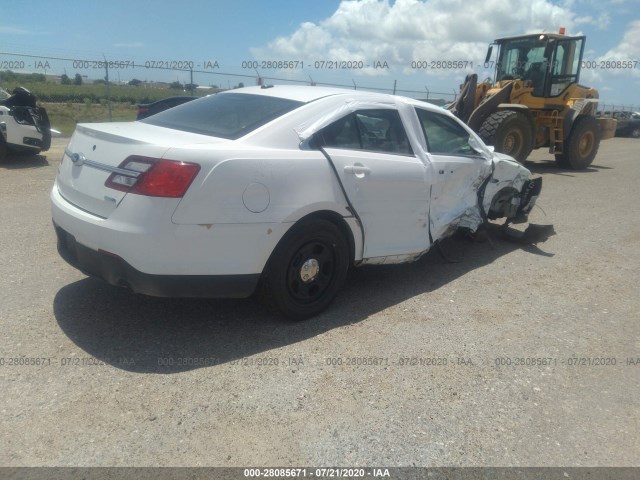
(285, 187)
(24, 127)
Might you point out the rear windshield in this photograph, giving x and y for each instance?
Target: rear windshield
(227, 115)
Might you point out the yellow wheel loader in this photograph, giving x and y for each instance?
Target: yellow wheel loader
(535, 100)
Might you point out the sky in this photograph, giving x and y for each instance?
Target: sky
(386, 42)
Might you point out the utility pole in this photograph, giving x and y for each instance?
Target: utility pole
(106, 68)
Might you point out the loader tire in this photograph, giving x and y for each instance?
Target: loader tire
(509, 132)
(582, 145)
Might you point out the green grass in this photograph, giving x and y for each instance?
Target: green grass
(65, 116)
(68, 105)
(90, 93)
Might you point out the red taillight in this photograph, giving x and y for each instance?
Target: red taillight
(153, 177)
(142, 110)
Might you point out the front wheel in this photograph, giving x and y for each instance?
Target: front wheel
(581, 147)
(307, 269)
(635, 133)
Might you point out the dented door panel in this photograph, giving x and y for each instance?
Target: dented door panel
(390, 196)
(454, 193)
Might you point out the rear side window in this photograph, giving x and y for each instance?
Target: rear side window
(370, 130)
(444, 135)
(227, 115)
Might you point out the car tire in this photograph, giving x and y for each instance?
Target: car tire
(307, 269)
(509, 132)
(4, 150)
(635, 133)
(582, 145)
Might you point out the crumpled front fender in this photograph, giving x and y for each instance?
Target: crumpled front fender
(511, 191)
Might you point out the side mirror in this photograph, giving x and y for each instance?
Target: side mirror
(314, 142)
(478, 147)
(489, 51)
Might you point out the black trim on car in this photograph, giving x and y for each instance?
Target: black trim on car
(116, 271)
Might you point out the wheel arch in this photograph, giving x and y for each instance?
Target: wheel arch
(335, 218)
(501, 202)
(339, 222)
(572, 121)
(278, 289)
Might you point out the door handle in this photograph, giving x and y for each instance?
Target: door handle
(357, 170)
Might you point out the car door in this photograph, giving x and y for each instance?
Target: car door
(382, 178)
(458, 171)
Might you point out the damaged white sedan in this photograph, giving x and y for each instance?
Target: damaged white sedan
(279, 188)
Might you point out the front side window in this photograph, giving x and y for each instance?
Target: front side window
(444, 135)
(379, 130)
(225, 115)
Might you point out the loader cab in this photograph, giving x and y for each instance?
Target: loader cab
(550, 62)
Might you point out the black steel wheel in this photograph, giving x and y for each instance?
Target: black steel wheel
(307, 269)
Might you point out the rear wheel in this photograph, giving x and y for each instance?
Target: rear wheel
(582, 145)
(307, 269)
(509, 132)
(3, 149)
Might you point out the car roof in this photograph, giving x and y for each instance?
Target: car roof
(306, 93)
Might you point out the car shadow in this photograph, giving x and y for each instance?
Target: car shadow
(551, 167)
(161, 335)
(15, 161)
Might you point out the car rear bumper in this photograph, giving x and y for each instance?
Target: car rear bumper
(140, 232)
(116, 271)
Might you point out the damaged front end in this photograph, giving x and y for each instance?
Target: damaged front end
(511, 191)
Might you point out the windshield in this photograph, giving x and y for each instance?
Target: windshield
(225, 115)
(520, 56)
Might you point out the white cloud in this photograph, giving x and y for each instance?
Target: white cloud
(602, 21)
(629, 47)
(409, 30)
(608, 73)
(627, 50)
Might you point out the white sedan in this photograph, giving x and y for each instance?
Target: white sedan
(279, 189)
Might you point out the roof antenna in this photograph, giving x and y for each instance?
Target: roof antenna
(260, 81)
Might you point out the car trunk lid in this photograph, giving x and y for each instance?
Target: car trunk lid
(96, 151)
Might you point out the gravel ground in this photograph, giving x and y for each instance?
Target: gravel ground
(400, 371)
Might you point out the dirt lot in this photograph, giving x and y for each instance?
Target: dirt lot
(511, 356)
